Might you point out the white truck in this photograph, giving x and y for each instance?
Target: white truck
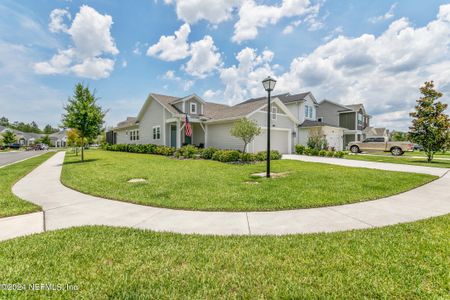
(380, 143)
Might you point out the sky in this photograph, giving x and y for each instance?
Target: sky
(373, 52)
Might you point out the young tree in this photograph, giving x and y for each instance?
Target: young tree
(9, 137)
(83, 114)
(246, 130)
(45, 140)
(430, 125)
(73, 139)
(399, 136)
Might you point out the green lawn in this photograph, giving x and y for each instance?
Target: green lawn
(210, 185)
(408, 261)
(10, 205)
(421, 153)
(402, 160)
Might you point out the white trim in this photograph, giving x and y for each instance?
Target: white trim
(273, 113)
(164, 128)
(206, 135)
(281, 106)
(191, 106)
(153, 132)
(184, 99)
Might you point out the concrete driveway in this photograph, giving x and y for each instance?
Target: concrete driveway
(7, 158)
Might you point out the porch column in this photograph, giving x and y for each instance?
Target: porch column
(356, 137)
(178, 134)
(206, 135)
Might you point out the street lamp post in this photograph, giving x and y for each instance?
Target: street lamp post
(269, 85)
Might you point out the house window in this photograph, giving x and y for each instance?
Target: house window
(193, 108)
(157, 132)
(137, 135)
(131, 135)
(274, 113)
(311, 112)
(360, 118)
(306, 111)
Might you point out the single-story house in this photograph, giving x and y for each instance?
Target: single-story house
(160, 121)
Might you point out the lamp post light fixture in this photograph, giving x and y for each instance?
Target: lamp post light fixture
(269, 85)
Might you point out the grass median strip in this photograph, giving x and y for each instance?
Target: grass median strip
(10, 205)
(211, 185)
(407, 261)
(401, 160)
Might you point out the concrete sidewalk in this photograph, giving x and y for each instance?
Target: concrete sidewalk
(65, 208)
(369, 164)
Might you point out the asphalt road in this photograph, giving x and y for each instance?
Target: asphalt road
(11, 157)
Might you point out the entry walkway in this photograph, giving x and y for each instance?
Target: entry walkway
(64, 207)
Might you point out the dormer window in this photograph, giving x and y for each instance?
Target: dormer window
(193, 108)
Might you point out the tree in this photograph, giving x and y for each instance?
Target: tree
(399, 136)
(4, 122)
(73, 139)
(48, 129)
(430, 125)
(9, 137)
(83, 114)
(246, 130)
(45, 140)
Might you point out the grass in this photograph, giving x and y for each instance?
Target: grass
(407, 261)
(421, 153)
(401, 160)
(210, 185)
(10, 205)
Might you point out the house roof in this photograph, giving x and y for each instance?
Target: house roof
(310, 123)
(375, 131)
(211, 110)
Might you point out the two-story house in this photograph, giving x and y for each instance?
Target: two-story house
(353, 118)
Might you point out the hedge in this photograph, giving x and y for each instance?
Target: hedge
(302, 150)
(190, 151)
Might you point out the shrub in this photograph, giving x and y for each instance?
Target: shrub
(314, 152)
(262, 155)
(248, 157)
(164, 150)
(322, 153)
(317, 142)
(339, 154)
(209, 152)
(226, 155)
(307, 151)
(330, 153)
(188, 151)
(177, 154)
(299, 149)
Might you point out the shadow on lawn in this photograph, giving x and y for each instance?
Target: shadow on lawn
(79, 161)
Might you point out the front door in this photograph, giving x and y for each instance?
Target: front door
(173, 136)
(188, 140)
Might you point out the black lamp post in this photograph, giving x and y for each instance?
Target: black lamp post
(269, 85)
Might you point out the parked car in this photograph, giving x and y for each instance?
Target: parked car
(418, 147)
(381, 144)
(14, 146)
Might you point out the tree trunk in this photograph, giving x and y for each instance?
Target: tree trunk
(245, 146)
(82, 148)
(429, 156)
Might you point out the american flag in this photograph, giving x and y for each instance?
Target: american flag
(187, 127)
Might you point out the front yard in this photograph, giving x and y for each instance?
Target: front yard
(406, 159)
(11, 205)
(211, 185)
(408, 261)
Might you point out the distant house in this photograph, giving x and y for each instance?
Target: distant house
(376, 131)
(57, 139)
(353, 118)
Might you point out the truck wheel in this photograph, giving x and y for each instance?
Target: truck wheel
(354, 149)
(396, 151)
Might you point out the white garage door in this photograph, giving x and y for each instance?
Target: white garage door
(279, 140)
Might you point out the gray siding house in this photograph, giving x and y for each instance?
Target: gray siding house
(160, 122)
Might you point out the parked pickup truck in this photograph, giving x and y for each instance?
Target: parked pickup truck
(380, 144)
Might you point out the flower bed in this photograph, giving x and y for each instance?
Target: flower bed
(302, 150)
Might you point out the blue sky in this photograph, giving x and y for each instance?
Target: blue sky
(372, 52)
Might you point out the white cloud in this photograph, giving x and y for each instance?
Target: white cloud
(244, 79)
(253, 16)
(204, 58)
(172, 47)
(214, 12)
(290, 28)
(57, 20)
(90, 32)
(338, 30)
(388, 15)
(211, 94)
(383, 72)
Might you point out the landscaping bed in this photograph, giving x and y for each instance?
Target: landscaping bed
(407, 261)
(10, 205)
(199, 184)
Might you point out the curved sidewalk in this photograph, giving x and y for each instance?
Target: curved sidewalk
(64, 207)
